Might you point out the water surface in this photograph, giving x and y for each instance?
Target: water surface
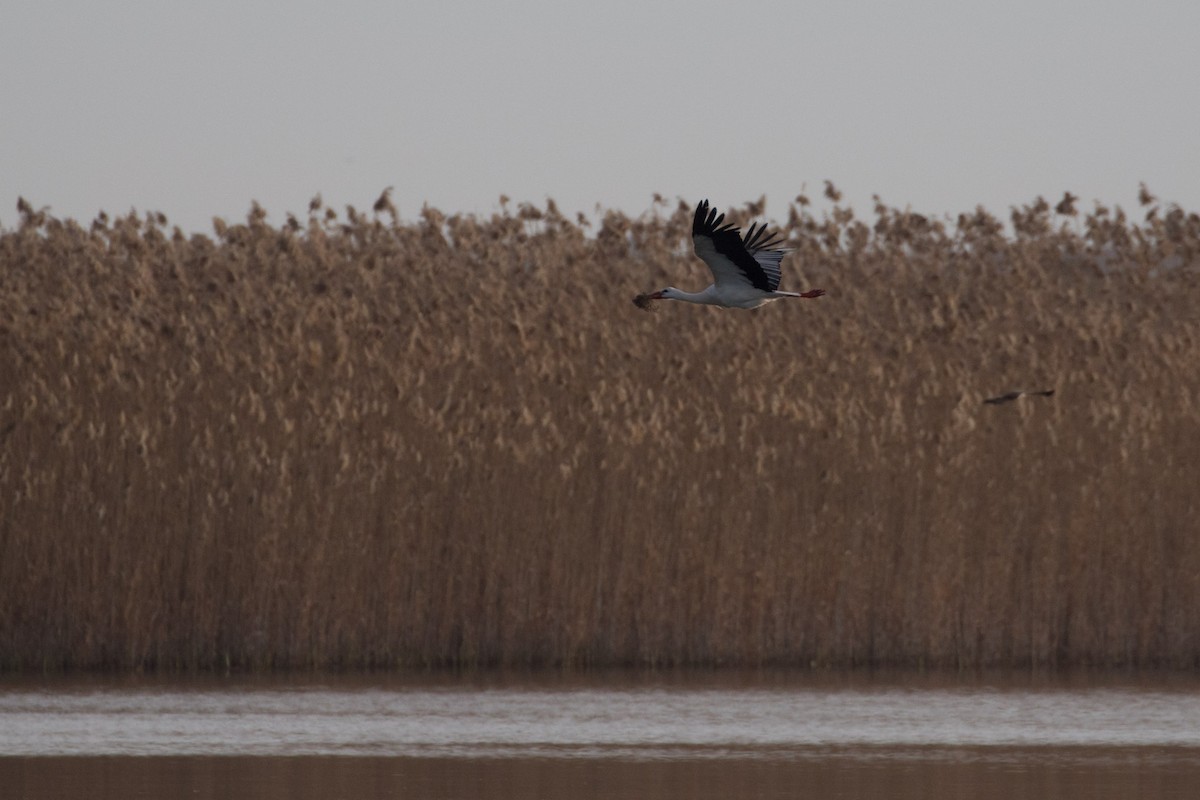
(710, 734)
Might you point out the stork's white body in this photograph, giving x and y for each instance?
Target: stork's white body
(726, 296)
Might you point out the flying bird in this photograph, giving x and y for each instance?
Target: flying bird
(1010, 396)
(745, 268)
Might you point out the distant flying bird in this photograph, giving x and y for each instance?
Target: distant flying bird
(745, 268)
(1010, 396)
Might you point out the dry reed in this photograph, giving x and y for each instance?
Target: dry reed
(347, 442)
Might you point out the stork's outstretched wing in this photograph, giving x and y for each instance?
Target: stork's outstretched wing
(753, 259)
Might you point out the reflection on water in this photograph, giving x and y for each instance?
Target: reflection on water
(690, 736)
(579, 779)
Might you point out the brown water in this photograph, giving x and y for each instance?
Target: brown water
(652, 736)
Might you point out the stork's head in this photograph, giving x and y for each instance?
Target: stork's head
(669, 293)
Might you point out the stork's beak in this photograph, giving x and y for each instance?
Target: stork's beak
(656, 295)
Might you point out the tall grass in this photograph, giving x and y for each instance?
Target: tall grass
(356, 441)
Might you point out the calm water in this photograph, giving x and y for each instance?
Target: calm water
(605, 736)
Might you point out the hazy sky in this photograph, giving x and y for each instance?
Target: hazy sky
(196, 109)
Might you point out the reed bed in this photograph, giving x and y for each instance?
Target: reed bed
(355, 441)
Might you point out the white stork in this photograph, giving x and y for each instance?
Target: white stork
(745, 268)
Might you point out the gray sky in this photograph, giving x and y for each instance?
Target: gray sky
(196, 109)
